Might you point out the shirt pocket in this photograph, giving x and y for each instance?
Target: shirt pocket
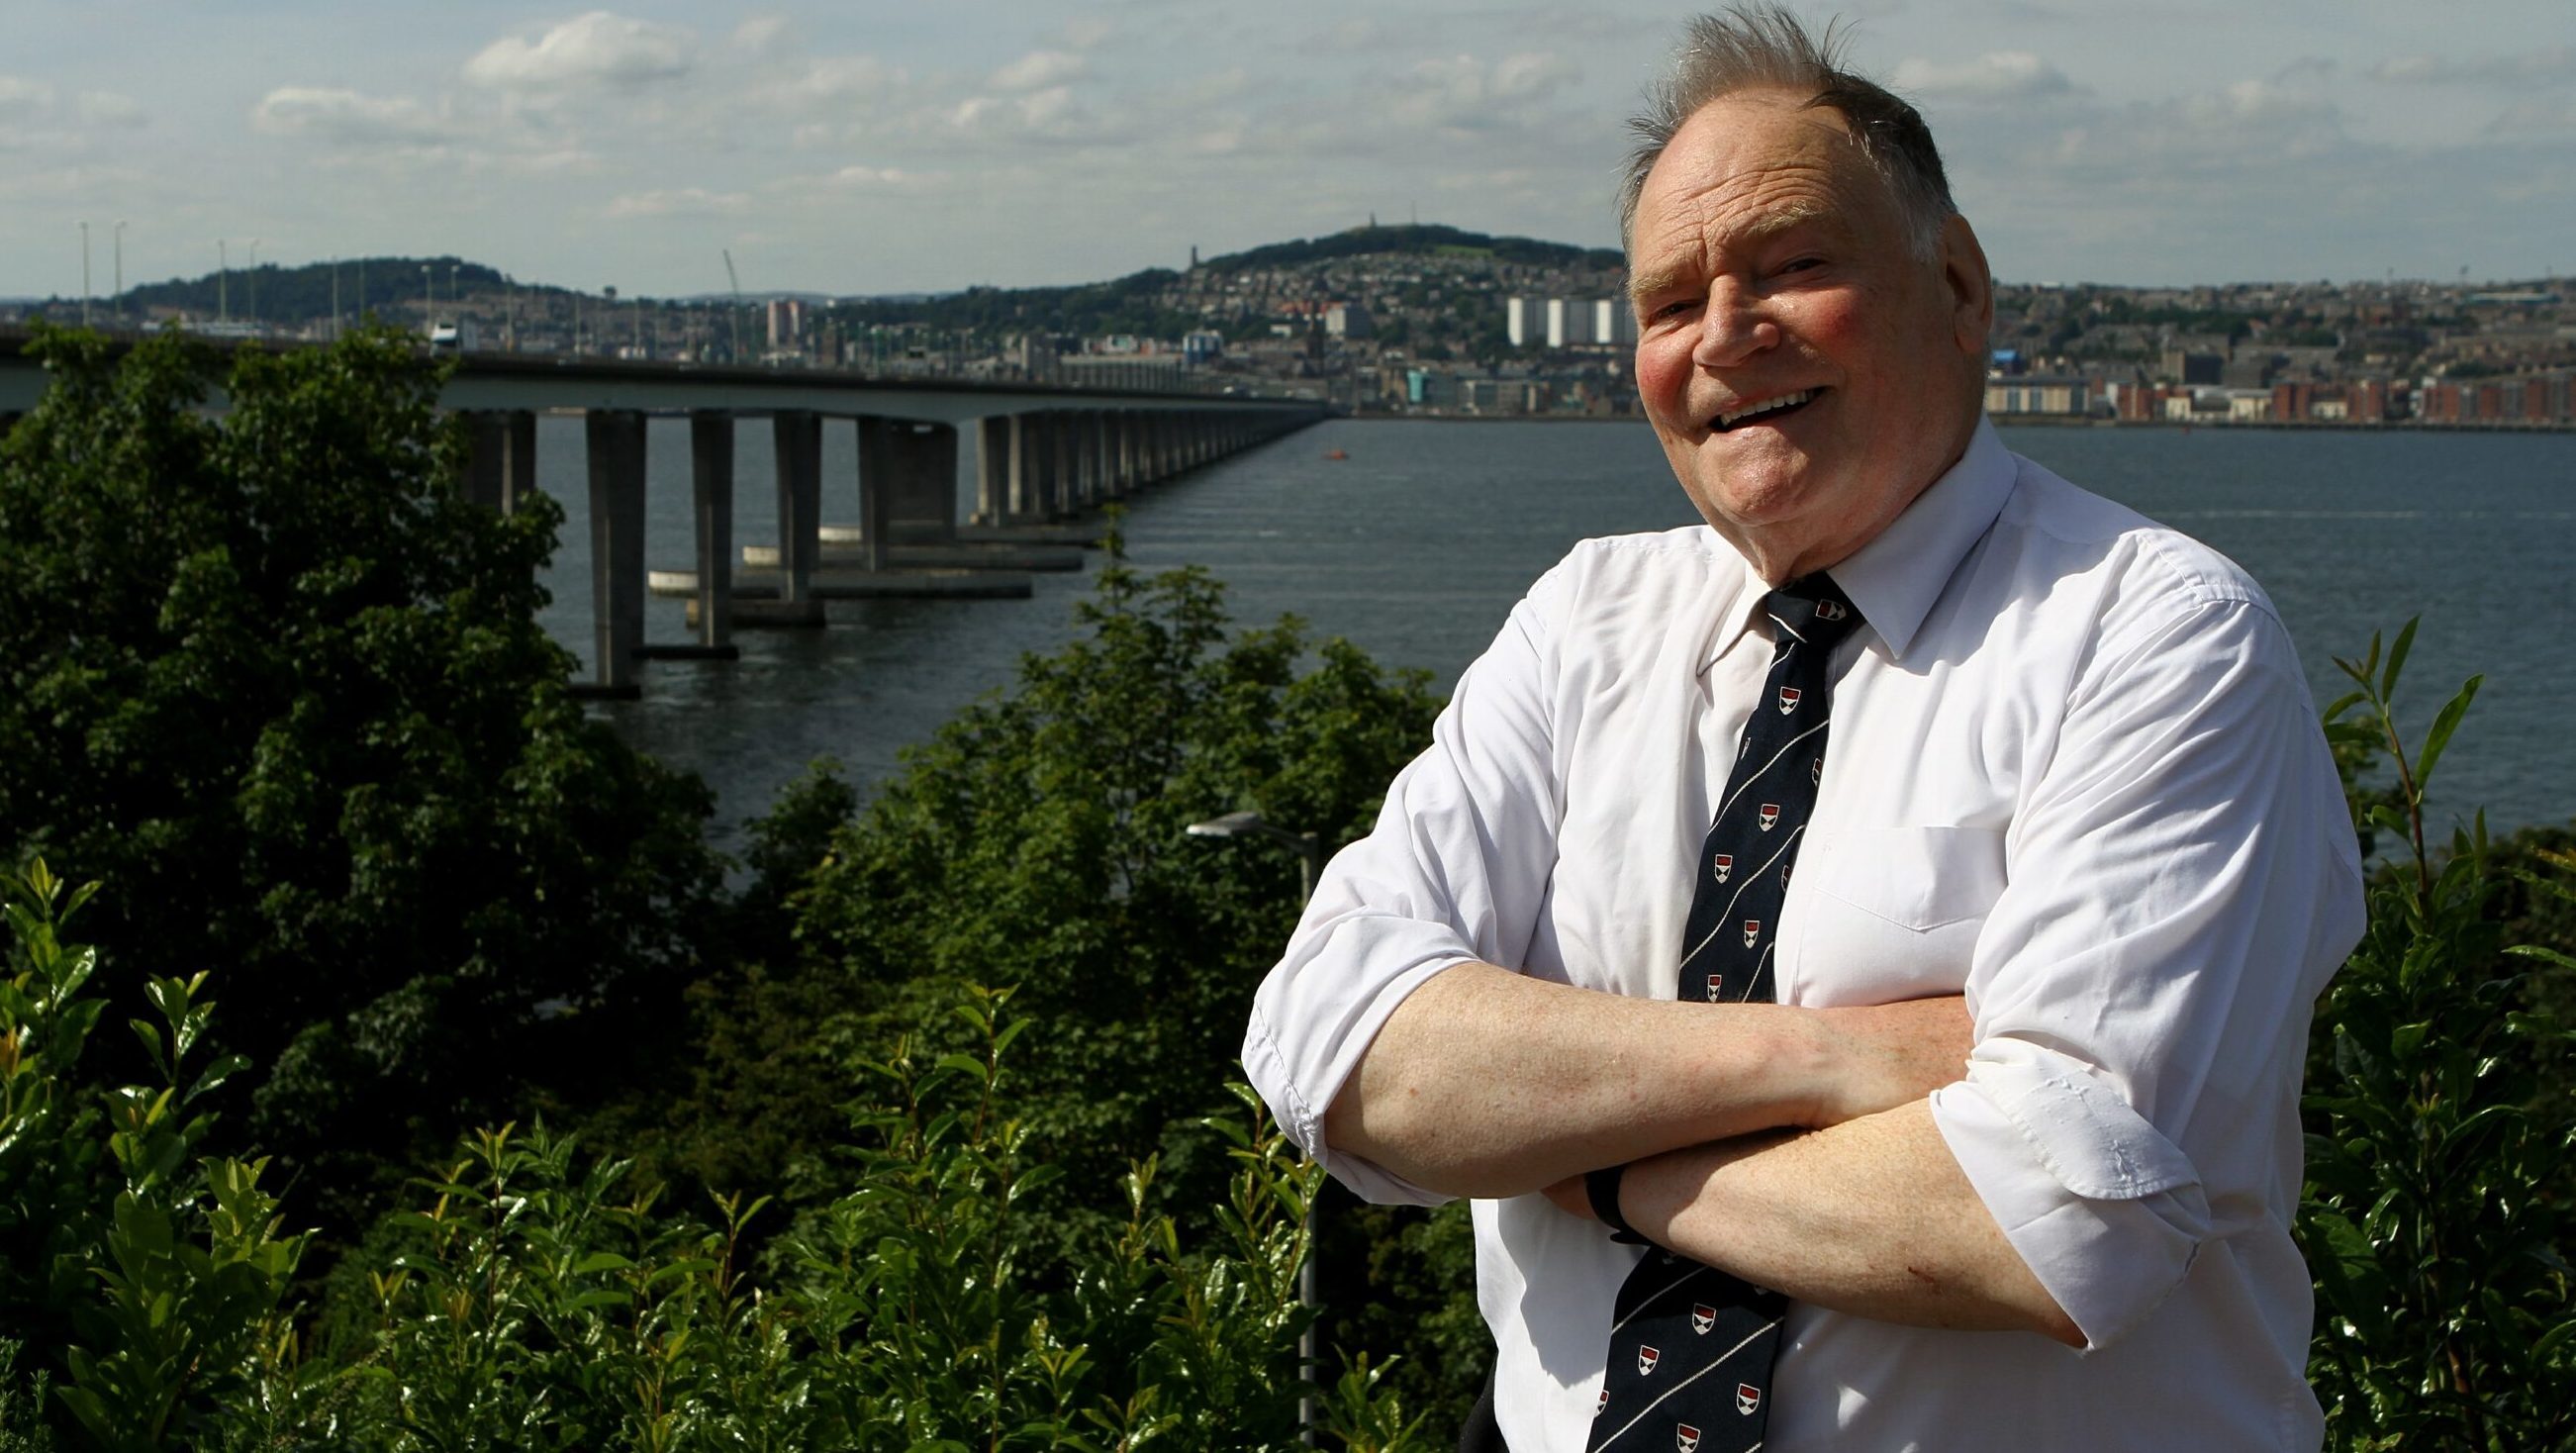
(1891, 913)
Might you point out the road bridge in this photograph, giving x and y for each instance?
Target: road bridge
(1045, 455)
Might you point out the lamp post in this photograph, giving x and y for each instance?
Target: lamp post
(1310, 863)
(120, 269)
(84, 274)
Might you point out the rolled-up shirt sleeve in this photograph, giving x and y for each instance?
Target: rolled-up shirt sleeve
(1453, 872)
(2182, 883)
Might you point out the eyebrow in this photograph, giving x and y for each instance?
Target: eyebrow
(1763, 225)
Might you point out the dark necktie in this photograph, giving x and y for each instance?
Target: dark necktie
(1691, 1346)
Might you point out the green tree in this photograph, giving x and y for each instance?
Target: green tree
(279, 681)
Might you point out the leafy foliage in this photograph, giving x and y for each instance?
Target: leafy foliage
(2436, 1214)
(1037, 844)
(147, 1268)
(538, 1302)
(285, 687)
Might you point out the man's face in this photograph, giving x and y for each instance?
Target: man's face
(1807, 373)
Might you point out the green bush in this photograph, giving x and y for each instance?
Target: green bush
(535, 1300)
(2437, 1208)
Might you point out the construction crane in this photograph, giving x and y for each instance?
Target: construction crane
(736, 315)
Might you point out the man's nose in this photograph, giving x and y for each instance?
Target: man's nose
(1733, 327)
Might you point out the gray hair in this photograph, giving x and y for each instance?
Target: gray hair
(1762, 44)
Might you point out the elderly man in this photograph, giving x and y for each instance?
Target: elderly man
(1939, 1089)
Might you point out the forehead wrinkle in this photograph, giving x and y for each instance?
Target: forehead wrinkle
(1728, 234)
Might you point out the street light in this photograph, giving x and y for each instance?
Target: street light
(120, 269)
(1310, 849)
(1310, 863)
(84, 274)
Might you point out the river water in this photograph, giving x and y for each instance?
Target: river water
(1416, 544)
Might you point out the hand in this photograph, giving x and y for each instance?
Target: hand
(1886, 1055)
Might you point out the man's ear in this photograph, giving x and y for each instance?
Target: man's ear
(1972, 287)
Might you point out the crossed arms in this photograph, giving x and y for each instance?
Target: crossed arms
(1792, 1147)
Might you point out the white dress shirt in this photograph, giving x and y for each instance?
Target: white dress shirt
(2075, 775)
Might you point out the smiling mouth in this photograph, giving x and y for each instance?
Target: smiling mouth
(1772, 408)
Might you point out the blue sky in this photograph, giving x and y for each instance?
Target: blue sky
(874, 146)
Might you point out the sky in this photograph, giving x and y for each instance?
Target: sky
(887, 146)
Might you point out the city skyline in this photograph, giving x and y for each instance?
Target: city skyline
(856, 152)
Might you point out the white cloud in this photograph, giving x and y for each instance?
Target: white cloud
(1463, 93)
(2545, 66)
(22, 97)
(340, 115)
(760, 34)
(870, 176)
(683, 202)
(1087, 32)
(2543, 116)
(1040, 70)
(595, 48)
(2004, 75)
(832, 77)
(108, 108)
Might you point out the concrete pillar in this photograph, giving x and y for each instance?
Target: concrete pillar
(993, 469)
(922, 488)
(711, 486)
(799, 436)
(1122, 433)
(1096, 432)
(615, 440)
(876, 488)
(1028, 469)
(1066, 497)
(501, 459)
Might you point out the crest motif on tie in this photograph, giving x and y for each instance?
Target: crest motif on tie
(1703, 1317)
(1748, 1398)
(1602, 1406)
(1816, 771)
(1768, 817)
(1752, 931)
(1686, 1438)
(1716, 987)
(1830, 610)
(1789, 699)
(1725, 864)
(1647, 1357)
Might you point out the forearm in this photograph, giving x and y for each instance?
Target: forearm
(1872, 1217)
(1489, 1083)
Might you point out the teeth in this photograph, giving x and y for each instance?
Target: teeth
(1729, 420)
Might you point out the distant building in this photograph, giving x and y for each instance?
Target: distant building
(1203, 346)
(786, 325)
(1347, 320)
(1614, 322)
(2037, 394)
(1525, 321)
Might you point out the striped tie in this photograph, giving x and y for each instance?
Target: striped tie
(1691, 1347)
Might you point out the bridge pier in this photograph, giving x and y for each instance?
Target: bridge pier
(501, 458)
(615, 440)
(711, 483)
(920, 484)
(798, 436)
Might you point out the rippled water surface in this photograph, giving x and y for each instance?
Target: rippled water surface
(1416, 544)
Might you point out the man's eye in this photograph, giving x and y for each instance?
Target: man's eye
(1803, 264)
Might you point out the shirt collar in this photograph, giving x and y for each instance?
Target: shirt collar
(1895, 578)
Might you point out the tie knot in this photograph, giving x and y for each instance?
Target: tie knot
(1813, 609)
